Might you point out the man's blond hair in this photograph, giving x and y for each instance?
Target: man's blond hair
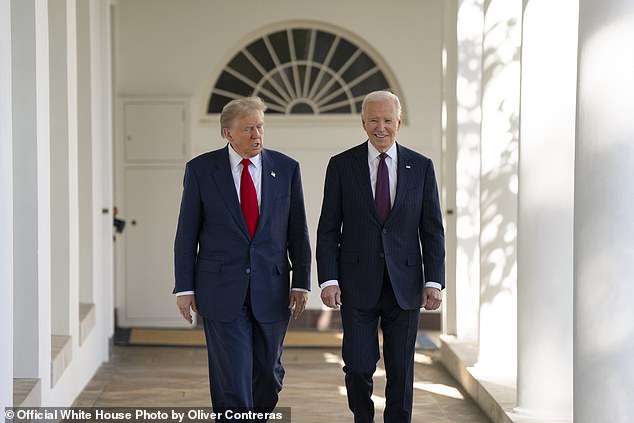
(238, 108)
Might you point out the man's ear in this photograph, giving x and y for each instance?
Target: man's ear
(226, 134)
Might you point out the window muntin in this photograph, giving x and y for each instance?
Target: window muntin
(300, 71)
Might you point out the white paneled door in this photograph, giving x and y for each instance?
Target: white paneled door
(152, 155)
(152, 202)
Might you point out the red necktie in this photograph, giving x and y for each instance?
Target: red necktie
(248, 198)
(382, 190)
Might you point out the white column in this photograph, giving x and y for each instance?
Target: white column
(43, 137)
(449, 151)
(498, 187)
(604, 215)
(6, 211)
(73, 170)
(31, 193)
(101, 88)
(465, 305)
(545, 214)
(59, 169)
(84, 152)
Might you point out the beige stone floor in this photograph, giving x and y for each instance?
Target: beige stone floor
(313, 387)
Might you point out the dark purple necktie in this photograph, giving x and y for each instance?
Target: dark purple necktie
(382, 190)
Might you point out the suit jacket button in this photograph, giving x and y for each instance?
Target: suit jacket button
(248, 271)
(381, 255)
(384, 231)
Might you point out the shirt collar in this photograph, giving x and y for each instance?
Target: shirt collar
(235, 159)
(373, 153)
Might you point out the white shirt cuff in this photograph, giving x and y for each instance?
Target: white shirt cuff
(300, 290)
(331, 282)
(433, 285)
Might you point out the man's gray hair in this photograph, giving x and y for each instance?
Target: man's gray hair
(238, 108)
(381, 96)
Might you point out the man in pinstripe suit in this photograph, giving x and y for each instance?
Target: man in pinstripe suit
(380, 256)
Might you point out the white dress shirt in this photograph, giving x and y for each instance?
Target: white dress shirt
(255, 169)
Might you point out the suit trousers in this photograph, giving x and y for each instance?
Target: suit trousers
(245, 362)
(361, 353)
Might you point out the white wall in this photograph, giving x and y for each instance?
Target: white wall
(169, 48)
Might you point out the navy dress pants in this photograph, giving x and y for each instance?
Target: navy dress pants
(245, 363)
(361, 353)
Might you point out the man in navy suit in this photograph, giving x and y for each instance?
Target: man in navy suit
(380, 256)
(241, 232)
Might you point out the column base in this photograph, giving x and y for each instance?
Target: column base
(528, 415)
(495, 393)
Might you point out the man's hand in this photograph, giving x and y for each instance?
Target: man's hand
(331, 296)
(297, 303)
(432, 298)
(185, 303)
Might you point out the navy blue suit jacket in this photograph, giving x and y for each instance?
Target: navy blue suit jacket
(354, 248)
(213, 251)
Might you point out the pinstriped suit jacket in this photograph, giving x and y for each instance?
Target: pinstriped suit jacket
(354, 248)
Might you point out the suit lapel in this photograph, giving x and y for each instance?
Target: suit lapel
(402, 178)
(362, 172)
(221, 173)
(270, 185)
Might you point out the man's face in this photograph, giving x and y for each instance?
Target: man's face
(381, 123)
(246, 135)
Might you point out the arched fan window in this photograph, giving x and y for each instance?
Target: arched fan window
(300, 71)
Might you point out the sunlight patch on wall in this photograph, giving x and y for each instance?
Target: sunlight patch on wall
(439, 389)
